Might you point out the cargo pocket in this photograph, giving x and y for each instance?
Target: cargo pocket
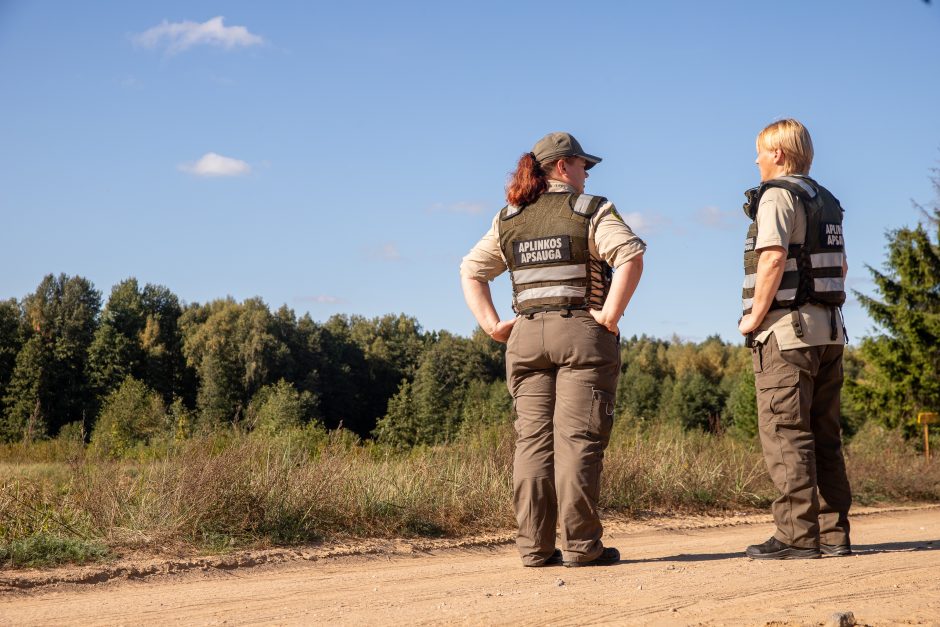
(602, 414)
(778, 397)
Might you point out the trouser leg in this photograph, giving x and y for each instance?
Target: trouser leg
(531, 380)
(584, 414)
(784, 401)
(533, 476)
(835, 494)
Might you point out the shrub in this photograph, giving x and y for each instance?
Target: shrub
(883, 465)
(278, 407)
(133, 414)
(485, 404)
(695, 401)
(741, 406)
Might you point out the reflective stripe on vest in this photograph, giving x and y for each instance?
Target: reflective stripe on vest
(833, 284)
(750, 280)
(796, 180)
(827, 259)
(557, 273)
(512, 210)
(789, 281)
(786, 291)
(781, 296)
(827, 273)
(582, 204)
(555, 291)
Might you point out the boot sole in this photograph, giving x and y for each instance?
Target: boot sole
(553, 560)
(787, 554)
(593, 563)
(836, 552)
(596, 562)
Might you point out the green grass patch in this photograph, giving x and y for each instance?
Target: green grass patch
(46, 549)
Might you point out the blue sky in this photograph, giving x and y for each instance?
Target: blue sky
(343, 157)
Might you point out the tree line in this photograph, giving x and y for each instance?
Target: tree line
(143, 364)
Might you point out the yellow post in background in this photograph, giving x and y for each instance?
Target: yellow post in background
(927, 418)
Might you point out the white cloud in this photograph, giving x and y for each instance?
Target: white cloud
(715, 218)
(385, 252)
(212, 164)
(644, 224)
(180, 36)
(321, 299)
(464, 206)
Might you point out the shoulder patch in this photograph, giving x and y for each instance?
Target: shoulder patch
(582, 205)
(587, 205)
(510, 211)
(796, 185)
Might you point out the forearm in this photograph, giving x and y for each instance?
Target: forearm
(624, 284)
(770, 266)
(480, 301)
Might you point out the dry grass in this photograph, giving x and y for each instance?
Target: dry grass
(666, 468)
(241, 490)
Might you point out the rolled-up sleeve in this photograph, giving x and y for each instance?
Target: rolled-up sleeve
(776, 218)
(485, 261)
(615, 241)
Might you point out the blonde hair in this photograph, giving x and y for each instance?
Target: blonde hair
(791, 137)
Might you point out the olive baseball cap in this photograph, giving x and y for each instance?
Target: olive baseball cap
(555, 145)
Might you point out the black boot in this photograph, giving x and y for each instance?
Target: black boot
(608, 556)
(774, 549)
(552, 560)
(836, 550)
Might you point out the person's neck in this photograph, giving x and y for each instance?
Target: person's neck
(778, 173)
(558, 183)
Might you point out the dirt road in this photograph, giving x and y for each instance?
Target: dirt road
(680, 572)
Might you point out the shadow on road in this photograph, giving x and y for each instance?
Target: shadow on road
(863, 549)
(688, 557)
(897, 547)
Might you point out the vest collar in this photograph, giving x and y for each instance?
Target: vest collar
(559, 186)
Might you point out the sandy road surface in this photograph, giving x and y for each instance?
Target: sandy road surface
(689, 573)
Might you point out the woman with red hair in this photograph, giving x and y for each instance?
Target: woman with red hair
(574, 265)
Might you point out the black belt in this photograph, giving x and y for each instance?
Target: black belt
(529, 313)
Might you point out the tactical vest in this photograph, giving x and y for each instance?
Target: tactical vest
(545, 245)
(813, 270)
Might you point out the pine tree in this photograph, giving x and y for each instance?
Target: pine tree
(429, 410)
(139, 337)
(10, 343)
(901, 375)
(48, 387)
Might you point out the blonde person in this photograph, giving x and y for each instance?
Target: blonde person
(794, 261)
(563, 351)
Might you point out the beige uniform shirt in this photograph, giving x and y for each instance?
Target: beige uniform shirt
(609, 238)
(781, 221)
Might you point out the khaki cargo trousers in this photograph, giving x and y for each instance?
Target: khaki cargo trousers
(798, 395)
(561, 369)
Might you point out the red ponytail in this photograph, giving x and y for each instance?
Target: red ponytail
(528, 182)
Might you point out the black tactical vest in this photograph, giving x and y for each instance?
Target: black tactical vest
(813, 271)
(546, 248)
